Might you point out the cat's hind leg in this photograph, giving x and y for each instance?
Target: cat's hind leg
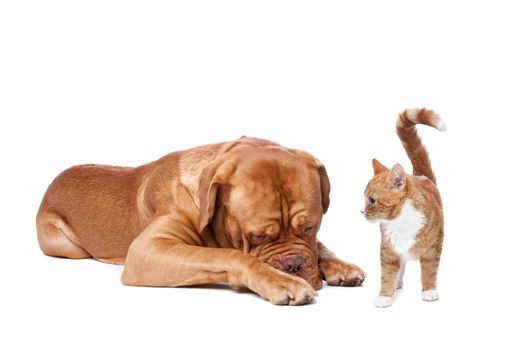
(429, 268)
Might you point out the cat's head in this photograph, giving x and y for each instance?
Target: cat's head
(385, 192)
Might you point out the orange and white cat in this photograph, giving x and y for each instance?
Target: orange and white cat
(409, 210)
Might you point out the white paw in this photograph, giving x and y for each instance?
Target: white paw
(430, 295)
(383, 301)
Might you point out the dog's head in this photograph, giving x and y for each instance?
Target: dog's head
(267, 201)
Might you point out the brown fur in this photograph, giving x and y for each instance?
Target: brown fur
(242, 212)
(388, 192)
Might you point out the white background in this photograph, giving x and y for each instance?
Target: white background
(125, 82)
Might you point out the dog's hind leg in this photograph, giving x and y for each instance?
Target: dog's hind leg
(56, 238)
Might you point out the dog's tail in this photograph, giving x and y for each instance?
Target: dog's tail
(406, 130)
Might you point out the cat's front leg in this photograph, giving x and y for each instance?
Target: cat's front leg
(337, 272)
(390, 269)
(401, 274)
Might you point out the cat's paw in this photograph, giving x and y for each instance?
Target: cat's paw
(430, 295)
(383, 301)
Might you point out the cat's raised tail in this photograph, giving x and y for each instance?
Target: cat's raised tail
(406, 130)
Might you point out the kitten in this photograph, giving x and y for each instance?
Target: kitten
(409, 210)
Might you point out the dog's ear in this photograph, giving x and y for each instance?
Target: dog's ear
(214, 175)
(323, 176)
(325, 186)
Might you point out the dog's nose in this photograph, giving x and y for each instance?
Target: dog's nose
(293, 264)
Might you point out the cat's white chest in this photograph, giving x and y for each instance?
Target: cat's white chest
(402, 231)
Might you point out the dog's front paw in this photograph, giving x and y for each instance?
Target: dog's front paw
(339, 273)
(290, 290)
(282, 289)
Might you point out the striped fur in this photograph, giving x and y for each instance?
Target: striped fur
(406, 130)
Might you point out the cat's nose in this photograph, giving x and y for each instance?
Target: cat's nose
(363, 211)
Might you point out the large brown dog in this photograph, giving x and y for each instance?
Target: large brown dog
(244, 212)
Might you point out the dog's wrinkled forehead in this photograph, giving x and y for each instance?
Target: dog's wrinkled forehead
(272, 191)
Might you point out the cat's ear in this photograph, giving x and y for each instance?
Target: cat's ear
(397, 178)
(378, 167)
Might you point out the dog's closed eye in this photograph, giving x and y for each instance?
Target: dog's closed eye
(258, 238)
(308, 230)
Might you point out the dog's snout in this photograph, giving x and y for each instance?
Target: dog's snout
(293, 264)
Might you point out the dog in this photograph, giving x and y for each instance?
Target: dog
(244, 212)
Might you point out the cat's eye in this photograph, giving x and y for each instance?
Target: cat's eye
(371, 201)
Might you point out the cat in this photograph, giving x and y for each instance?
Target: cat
(409, 211)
